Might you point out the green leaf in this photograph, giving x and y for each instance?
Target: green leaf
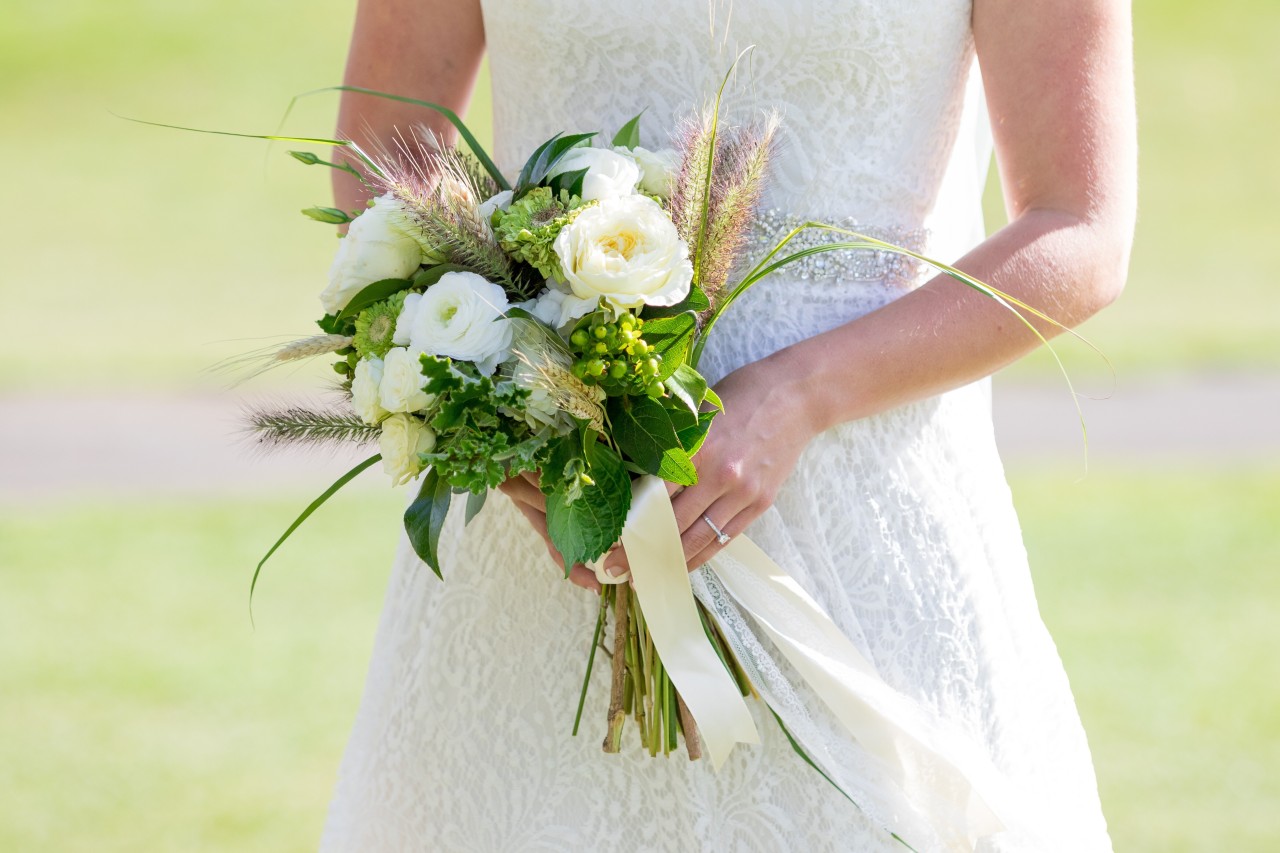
(688, 387)
(585, 528)
(571, 181)
(671, 337)
(330, 326)
(696, 301)
(371, 293)
(306, 513)
(628, 136)
(544, 158)
(692, 437)
(714, 399)
(432, 274)
(644, 432)
(330, 215)
(475, 503)
(424, 519)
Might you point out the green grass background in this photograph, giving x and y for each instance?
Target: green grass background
(137, 709)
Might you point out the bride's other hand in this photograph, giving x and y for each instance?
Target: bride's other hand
(752, 448)
(528, 498)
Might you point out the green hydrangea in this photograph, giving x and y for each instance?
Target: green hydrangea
(376, 325)
(529, 227)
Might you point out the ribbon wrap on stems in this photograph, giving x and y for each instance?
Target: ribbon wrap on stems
(938, 773)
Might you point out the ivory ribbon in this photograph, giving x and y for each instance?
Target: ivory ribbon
(940, 773)
(652, 539)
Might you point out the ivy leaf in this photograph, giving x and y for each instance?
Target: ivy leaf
(628, 136)
(424, 519)
(688, 387)
(584, 528)
(644, 432)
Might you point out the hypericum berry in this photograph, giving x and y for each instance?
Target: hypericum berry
(595, 367)
(341, 367)
(600, 333)
(655, 389)
(617, 369)
(579, 338)
(600, 348)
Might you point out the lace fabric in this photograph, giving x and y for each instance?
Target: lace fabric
(900, 525)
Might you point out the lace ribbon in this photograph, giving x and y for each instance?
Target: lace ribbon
(938, 772)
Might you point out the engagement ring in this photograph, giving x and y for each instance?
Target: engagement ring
(721, 536)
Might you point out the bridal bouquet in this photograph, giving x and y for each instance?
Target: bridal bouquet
(484, 328)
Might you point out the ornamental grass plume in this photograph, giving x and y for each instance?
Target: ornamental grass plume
(441, 190)
(713, 216)
(275, 426)
(268, 358)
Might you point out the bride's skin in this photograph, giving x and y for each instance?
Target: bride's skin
(1059, 84)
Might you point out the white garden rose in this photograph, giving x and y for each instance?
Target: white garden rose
(400, 337)
(460, 316)
(378, 245)
(403, 438)
(609, 174)
(365, 382)
(401, 387)
(557, 308)
(657, 168)
(626, 250)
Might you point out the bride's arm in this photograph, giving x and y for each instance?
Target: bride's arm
(425, 49)
(1059, 83)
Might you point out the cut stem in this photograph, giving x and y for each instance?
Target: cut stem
(621, 611)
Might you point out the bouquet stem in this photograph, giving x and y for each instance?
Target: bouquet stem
(617, 716)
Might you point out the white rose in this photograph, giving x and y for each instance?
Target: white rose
(401, 387)
(501, 201)
(557, 309)
(657, 168)
(626, 250)
(403, 438)
(400, 337)
(460, 316)
(377, 246)
(609, 174)
(364, 390)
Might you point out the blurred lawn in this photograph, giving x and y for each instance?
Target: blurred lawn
(138, 256)
(139, 711)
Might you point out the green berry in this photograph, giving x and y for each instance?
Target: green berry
(600, 348)
(655, 389)
(342, 368)
(595, 367)
(600, 333)
(617, 369)
(579, 338)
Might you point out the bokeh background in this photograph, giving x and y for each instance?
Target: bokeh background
(140, 711)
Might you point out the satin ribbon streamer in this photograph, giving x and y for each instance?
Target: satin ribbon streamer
(940, 773)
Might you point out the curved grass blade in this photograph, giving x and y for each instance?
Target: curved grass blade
(306, 513)
(711, 160)
(453, 118)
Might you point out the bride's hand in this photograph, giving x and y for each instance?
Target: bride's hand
(528, 498)
(752, 448)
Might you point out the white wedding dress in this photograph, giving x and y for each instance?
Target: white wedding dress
(900, 525)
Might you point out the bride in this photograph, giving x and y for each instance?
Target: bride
(856, 445)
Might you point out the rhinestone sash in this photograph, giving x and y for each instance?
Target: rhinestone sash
(773, 224)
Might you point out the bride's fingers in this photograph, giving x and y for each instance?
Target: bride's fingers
(732, 528)
(700, 539)
(581, 576)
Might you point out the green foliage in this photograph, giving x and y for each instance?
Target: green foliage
(671, 338)
(545, 157)
(477, 448)
(424, 519)
(329, 215)
(646, 435)
(585, 527)
(628, 136)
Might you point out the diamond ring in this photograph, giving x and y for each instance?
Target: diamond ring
(721, 536)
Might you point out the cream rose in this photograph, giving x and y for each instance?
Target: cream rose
(377, 246)
(657, 168)
(626, 250)
(609, 174)
(365, 382)
(403, 438)
(401, 387)
(460, 316)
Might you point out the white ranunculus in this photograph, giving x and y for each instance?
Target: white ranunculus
(501, 201)
(365, 382)
(401, 387)
(407, 311)
(377, 246)
(403, 438)
(460, 316)
(657, 168)
(626, 250)
(557, 309)
(609, 174)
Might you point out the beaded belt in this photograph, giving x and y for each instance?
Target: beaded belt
(773, 224)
